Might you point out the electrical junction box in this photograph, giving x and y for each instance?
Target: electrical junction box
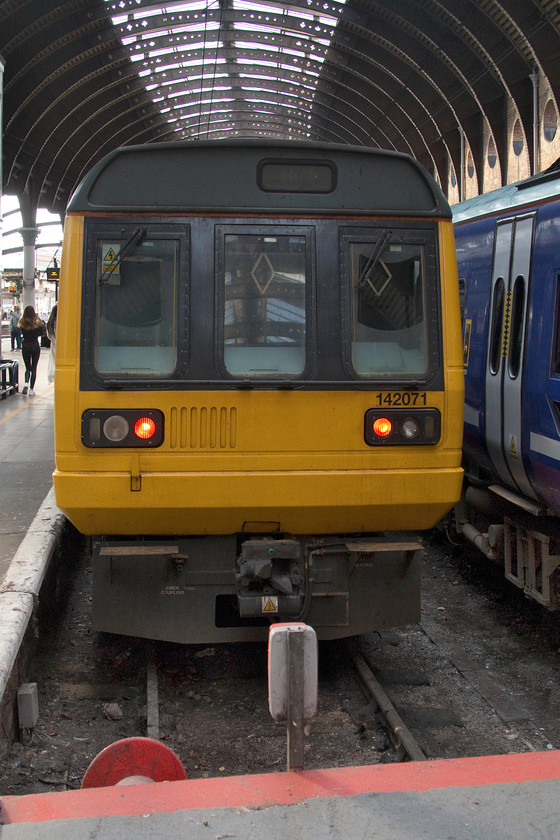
(292, 660)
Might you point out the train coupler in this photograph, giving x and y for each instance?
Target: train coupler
(269, 578)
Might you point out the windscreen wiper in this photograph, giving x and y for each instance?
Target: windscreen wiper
(380, 246)
(129, 245)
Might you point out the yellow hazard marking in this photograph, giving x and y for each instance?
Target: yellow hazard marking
(24, 405)
(270, 604)
(506, 323)
(513, 447)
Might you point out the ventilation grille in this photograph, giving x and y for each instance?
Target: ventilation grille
(203, 428)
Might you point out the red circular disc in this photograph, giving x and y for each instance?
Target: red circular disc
(133, 757)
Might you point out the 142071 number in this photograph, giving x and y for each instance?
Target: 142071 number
(405, 399)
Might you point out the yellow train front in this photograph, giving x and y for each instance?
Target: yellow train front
(258, 382)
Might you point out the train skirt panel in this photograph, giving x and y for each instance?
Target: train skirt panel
(216, 589)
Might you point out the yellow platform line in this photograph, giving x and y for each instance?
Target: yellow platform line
(27, 402)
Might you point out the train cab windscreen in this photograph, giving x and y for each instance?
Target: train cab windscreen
(136, 306)
(388, 307)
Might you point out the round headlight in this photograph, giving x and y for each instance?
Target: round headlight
(409, 428)
(115, 428)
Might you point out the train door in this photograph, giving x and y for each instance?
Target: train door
(504, 370)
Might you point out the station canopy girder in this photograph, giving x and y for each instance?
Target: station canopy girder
(82, 77)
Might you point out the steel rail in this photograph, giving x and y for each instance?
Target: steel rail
(402, 733)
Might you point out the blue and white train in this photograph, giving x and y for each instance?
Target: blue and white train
(508, 254)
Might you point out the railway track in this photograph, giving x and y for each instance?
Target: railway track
(472, 679)
(405, 745)
(378, 708)
(209, 705)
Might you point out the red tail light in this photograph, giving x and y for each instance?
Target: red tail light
(382, 427)
(145, 428)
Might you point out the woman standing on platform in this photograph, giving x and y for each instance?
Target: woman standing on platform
(32, 328)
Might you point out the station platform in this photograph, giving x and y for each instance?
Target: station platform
(29, 520)
(497, 797)
(511, 797)
(26, 455)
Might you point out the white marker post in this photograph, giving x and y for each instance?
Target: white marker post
(292, 682)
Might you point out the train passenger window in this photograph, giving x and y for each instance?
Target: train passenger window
(136, 306)
(497, 316)
(516, 334)
(388, 323)
(264, 304)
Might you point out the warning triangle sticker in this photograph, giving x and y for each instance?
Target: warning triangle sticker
(269, 605)
(512, 447)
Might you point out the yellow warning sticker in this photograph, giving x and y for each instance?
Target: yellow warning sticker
(270, 604)
(513, 447)
(111, 259)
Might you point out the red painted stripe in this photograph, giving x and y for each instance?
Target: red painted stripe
(280, 788)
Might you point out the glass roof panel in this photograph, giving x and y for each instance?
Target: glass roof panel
(219, 68)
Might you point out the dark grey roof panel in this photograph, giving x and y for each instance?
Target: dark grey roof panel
(188, 175)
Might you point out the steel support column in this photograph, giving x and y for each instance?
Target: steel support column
(29, 235)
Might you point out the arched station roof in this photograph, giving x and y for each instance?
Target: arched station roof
(84, 76)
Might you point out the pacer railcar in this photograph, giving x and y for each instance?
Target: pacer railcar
(259, 378)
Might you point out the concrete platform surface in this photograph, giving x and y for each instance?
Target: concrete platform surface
(26, 455)
(511, 797)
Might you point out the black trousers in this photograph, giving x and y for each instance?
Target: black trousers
(30, 357)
